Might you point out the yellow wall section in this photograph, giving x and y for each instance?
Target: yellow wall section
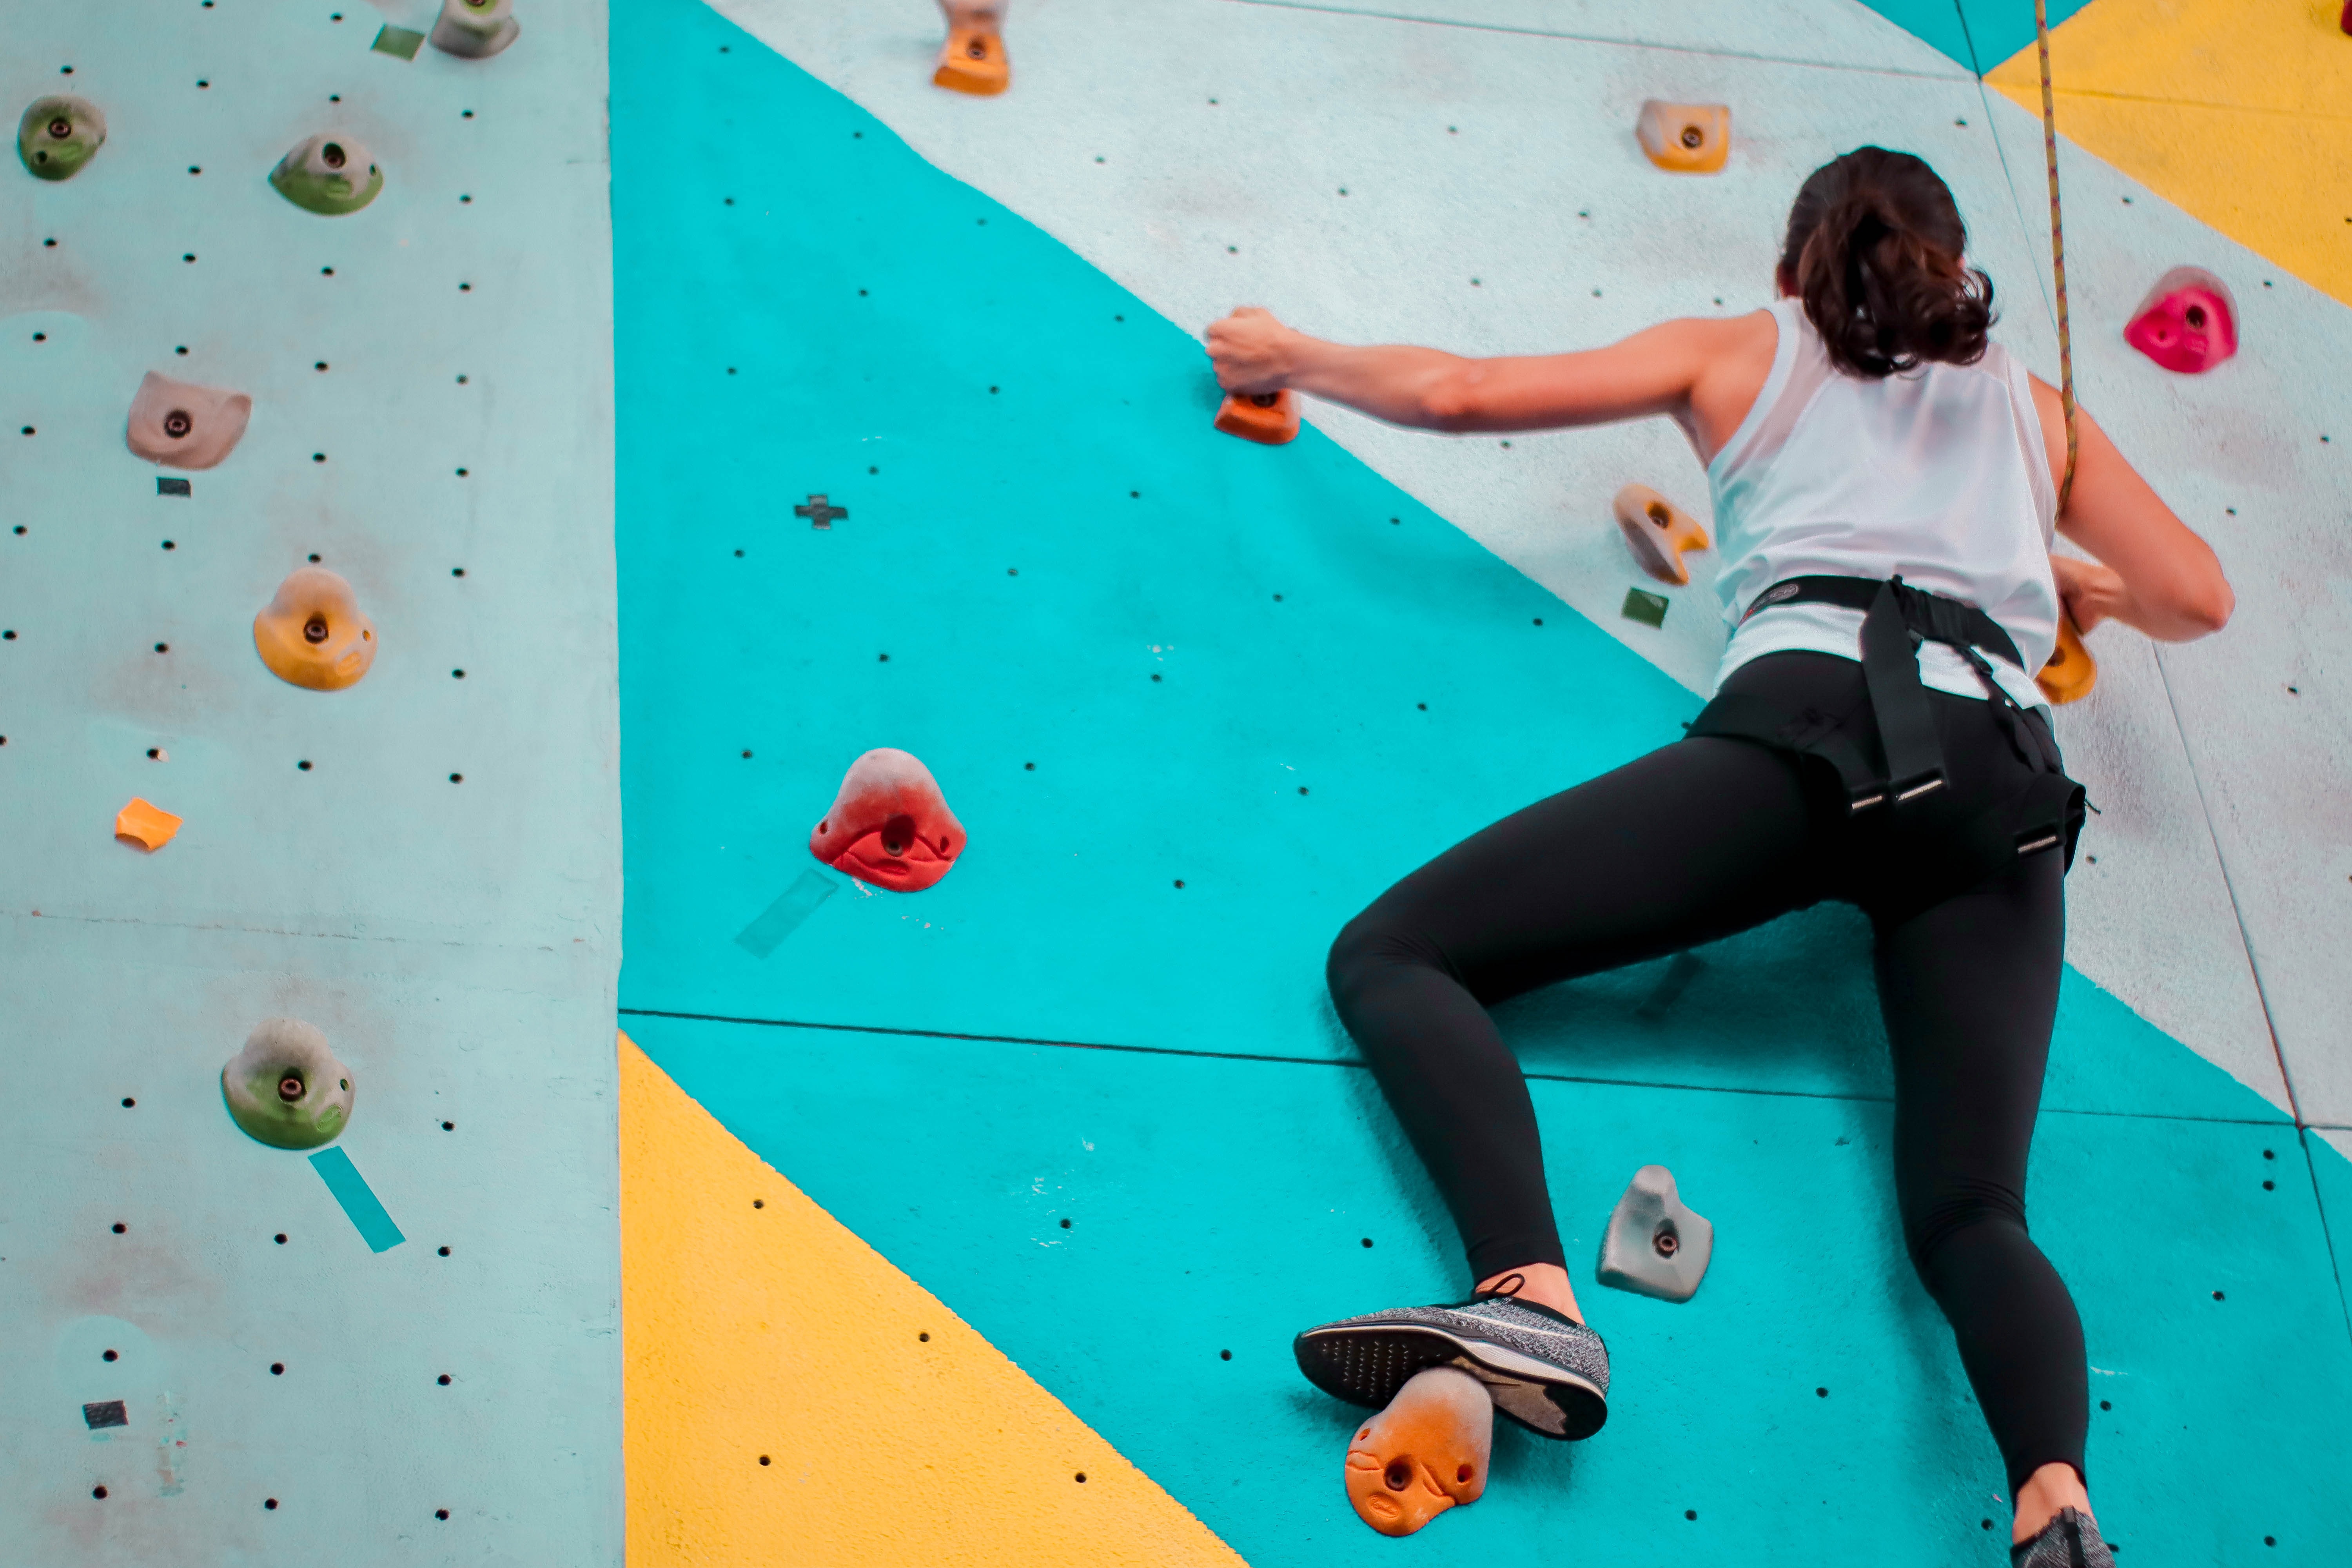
(2238, 111)
(775, 1330)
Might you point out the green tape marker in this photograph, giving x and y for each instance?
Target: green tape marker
(359, 1201)
(1650, 609)
(398, 42)
(783, 917)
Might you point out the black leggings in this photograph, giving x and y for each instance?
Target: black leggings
(1693, 842)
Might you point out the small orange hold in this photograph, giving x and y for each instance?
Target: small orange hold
(313, 633)
(2071, 671)
(1685, 138)
(974, 61)
(1425, 1453)
(146, 825)
(1659, 531)
(1269, 418)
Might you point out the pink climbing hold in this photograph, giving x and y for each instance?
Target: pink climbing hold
(2187, 323)
(889, 825)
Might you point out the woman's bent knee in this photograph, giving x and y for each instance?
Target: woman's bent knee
(1372, 943)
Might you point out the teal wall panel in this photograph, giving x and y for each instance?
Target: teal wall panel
(432, 419)
(1219, 1206)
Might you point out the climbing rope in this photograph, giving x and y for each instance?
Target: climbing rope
(2057, 249)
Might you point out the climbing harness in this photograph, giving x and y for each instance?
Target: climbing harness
(2057, 249)
(1905, 778)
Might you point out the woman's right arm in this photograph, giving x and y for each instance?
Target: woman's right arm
(2159, 576)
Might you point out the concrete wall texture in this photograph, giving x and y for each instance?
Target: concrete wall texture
(971, 1226)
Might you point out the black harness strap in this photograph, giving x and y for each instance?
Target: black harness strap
(1896, 618)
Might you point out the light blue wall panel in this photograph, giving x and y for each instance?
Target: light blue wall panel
(456, 942)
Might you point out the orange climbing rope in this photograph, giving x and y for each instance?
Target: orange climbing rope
(2057, 249)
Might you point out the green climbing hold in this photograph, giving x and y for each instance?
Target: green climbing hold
(328, 174)
(286, 1088)
(58, 135)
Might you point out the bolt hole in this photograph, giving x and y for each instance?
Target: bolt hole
(1665, 1241)
(332, 154)
(177, 424)
(1398, 1476)
(110, 1356)
(289, 1088)
(1692, 136)
(2195, 317)
(314, 630)
(1461, 1473)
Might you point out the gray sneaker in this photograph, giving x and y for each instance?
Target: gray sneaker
(2070, 1539)
(1546, 1371)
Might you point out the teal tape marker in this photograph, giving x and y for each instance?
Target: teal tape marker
(359, 1201)
(783, 917)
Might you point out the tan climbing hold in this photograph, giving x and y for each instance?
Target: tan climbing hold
(146, 825)
(1685, 138)
(184, 426)
(312, 633)
(1269, 418)
(1659, 531)
(474, 29)
(1424, 1454)
(2071, 671)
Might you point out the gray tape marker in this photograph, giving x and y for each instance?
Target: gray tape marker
(105, 1413)
(783, 917)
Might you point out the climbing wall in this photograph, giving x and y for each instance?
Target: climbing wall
(952, 488)
(400, 1345)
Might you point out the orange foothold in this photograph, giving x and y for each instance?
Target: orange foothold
(974, 61)
(1659, 531)
(1422, 1455)
(2071, 671)
(1685, 138)
(889, 825)
(312, 633)
(183, 425)
(1269, 418)
(146, 825)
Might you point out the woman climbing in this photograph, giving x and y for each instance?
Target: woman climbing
(1885, 481)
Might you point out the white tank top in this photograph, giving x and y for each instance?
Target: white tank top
(1939, 474)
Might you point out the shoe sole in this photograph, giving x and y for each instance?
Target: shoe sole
(1367, 1364)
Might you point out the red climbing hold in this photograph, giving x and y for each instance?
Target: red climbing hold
(1269, 418)
(2187, 323)
(889, 825)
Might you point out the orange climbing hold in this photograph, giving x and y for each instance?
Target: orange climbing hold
(1659, 531)
(313, 633)
(146, 825)
(1424, 1454)
(1685, 138)
(2071, 671)
(1269, 418)
(889, 825)
(974, 61)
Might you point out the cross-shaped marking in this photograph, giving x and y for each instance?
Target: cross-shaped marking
(820, 511)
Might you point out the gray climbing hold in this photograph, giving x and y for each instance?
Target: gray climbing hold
(1654, 1245)
(328, 174)
(286, 1087)
(58, 135)
(475, 29)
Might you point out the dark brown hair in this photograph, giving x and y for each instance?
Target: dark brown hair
(1874, 251)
